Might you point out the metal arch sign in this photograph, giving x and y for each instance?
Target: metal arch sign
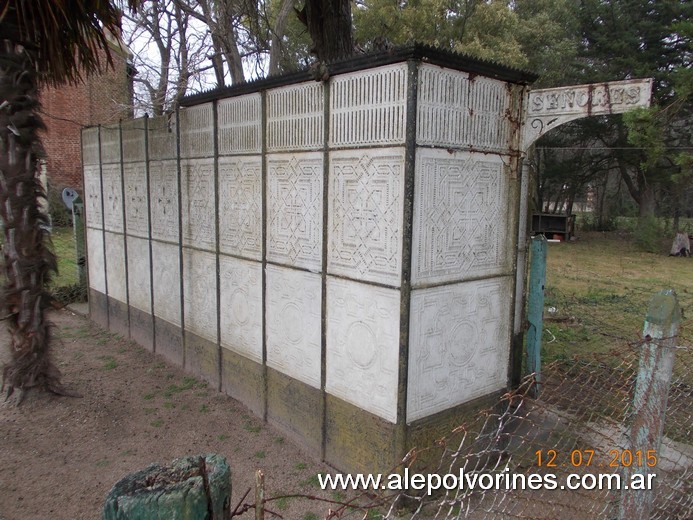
(549, 108)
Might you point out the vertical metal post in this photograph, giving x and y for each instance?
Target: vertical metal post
(535, 307)
(78, 228)
(650, 402)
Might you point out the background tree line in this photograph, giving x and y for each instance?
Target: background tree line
(637, 165)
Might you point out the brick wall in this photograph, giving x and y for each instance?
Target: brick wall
(99, 99)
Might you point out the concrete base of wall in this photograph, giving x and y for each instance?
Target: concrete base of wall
(142, 328)
(169, 341)
(98, 308)
(118, 317)
(202, 358)
(243, 379)
(296, 408)
(346, 436)
(358, 441)
(425, 433)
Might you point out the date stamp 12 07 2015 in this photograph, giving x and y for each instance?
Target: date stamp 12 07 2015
(616, 458)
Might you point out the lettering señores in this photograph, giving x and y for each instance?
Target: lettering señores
(579, 99)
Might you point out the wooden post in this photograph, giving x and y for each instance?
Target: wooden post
(650, 402)
(259, 495)
(535, 308)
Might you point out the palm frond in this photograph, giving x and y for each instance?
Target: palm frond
(67, 38)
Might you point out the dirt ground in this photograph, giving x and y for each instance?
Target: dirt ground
(60, 456)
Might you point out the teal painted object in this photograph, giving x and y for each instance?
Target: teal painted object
(192, 488)
(655, 369)
(535, 307)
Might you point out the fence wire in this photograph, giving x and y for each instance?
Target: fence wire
(579, 424)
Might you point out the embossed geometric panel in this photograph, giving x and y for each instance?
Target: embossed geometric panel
(138, 274)
(133, 140)
(241, 306)
(90, 145)
(294, 212)
(294, 323)
(115, 267)
(295, 117)
(459, 344)
(136, 210)
(240, 206)
(369, 107)
(240, 120)
(110, 144)
(461, 225)
(363, 345)
(92, 196)
(197, 196)
(163, 187)
(200, 293)
(166, 272)
(197, 131)
(162, 137)
(365, 223)
(112, 198)
(97, 270)
(454, 111)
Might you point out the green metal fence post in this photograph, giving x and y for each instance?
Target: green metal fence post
(535, 307)
(80, 249)
(650, 403)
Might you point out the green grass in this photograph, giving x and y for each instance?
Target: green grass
(598, 289)
(109, 363)
(64, 247)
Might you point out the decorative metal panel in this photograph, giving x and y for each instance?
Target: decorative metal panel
(365, 222)
(110, 144)
(136, 208)
(459, 344)
(115, 267)
(461, 220)
(241, 306)
(162, 137)
(240, 124)
(197, 131)
(97, 269)
(240, 206)
(92, 196)
(490, 123)
(90, 146)
(133, 140)
(369, 107)
(458, 112)
(197, 197)
(166, 277)
(294, 301)
(138, 274)
(295, 117)
(112, 197)
(363, 346)
(163, 187)
(200, 293)
(294, 212)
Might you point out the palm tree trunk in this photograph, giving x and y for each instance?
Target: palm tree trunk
(28, 259)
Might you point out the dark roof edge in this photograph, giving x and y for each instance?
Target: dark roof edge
(424, 53)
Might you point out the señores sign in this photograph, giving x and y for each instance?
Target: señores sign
(548, 108)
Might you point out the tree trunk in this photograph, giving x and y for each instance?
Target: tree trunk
(329, 25)
(647, 202)
(28, 259)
